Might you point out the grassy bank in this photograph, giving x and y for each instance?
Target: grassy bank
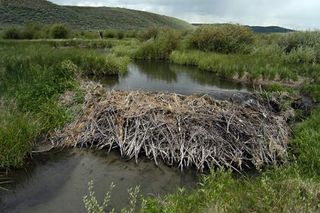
(293, 187)
(32, 79)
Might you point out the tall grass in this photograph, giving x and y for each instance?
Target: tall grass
(250, 66)
(32, 79)
(17, 132)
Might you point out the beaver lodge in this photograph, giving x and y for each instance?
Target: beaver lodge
(179, 130)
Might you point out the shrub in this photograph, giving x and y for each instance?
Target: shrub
(160, 47)
(226, 38)
(301, 55)
(12, 33)
(150, 33)
(292, 41)
(59, 31)
(120, 35)
(109, 34)
(32, 31)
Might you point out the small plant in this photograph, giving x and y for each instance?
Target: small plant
(93, 206)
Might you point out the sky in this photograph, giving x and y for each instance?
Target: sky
(294, 14)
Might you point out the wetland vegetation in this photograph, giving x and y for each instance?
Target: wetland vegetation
(34, 74)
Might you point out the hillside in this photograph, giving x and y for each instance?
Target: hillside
(261, 29)
(270, 29)
(20, 12)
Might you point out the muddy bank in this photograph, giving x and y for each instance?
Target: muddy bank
(183, 131)
(58, 180)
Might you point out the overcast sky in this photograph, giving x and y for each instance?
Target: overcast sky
(296, 14)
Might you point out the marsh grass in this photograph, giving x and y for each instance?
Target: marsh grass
(32, 78)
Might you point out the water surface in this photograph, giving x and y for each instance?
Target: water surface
(166, 77)
(57, 182)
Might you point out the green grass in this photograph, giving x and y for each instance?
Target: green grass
(17, 132)
(32, 78)
(253, 65)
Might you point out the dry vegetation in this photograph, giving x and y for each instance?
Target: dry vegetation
(180, 130)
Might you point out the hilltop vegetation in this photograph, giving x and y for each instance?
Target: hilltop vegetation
(21, 12)
(260, 29)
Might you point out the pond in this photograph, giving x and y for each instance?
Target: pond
(166, 77)
(57, 181)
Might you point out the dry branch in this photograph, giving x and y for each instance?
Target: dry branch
(179, 130)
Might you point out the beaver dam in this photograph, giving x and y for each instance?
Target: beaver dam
(179, 130)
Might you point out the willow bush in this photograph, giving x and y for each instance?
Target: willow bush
(226, 38)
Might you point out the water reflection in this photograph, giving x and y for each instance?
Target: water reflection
(160, 76)
(59, 182)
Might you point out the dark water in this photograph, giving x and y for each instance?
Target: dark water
(165, 77)
(57, 182)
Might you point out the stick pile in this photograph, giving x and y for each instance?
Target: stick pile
(179, 130)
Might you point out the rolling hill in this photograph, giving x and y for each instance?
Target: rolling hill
(20, 12)
(261, 29)
(270, 29)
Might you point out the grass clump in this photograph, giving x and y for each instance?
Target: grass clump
(59, 31)
(306, 143)
(107, 65)
(227, 38)
(159, 47)
(17, 133)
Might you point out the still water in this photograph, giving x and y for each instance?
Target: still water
(165, 77)
(57, 182)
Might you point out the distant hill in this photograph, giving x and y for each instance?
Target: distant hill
(261, 29)
(20, 12)
(270, 29)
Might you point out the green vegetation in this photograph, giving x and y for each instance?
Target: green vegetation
(18, 12)
(260, 29)
(37, 31)
(92, 205)
(223, 39)
(59, 31)
(34, 74)
(280, 60)
(33, 77)
(159, 46)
